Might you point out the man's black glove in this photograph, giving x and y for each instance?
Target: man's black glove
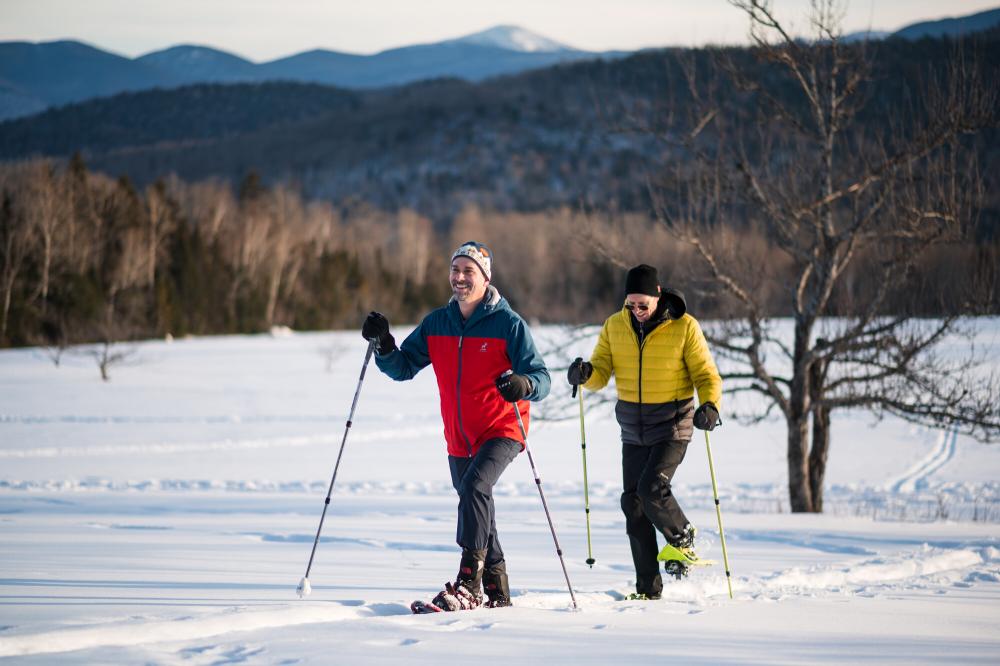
(706, 417)
(513, 387)
(579, 372)
(376, 328)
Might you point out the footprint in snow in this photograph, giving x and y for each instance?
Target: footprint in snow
(384, 609)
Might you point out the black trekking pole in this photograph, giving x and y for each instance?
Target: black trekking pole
(538, 484)
(304, 588)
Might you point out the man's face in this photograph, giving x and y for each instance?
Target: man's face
(641, 305)
(467, 282)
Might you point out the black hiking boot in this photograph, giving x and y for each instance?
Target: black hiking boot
(647, 588)
(685, 540)
(496, 586)
(470, 570)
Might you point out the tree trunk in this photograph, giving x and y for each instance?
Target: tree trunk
(817, 455)
(8, 291)
(820, 435)
(799, 490)
(274, 286)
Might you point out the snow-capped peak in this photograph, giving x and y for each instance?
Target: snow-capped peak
(514, 38)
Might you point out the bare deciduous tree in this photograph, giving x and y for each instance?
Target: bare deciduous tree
(16, 240)
(789, 153)
(46, 212)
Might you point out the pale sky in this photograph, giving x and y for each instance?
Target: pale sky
(261, 30)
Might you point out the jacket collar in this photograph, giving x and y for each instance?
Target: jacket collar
(659, 316)
(491, 302)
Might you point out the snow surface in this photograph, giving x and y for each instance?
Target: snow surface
(167, 516)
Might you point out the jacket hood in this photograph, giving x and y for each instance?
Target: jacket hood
(673, 302)
(672, 305)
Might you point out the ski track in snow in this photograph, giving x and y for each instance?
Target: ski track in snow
(916, 477)
(926, 567)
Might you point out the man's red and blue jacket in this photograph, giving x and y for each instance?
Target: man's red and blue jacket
(468, 356)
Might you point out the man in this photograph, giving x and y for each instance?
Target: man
(472, 342)
(658, 356)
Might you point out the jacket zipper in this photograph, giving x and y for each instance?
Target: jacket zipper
(642, 343)
(458, 397)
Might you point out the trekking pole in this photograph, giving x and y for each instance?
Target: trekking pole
(538, 484)
(304, 588)
(718, 514)
(586, 491)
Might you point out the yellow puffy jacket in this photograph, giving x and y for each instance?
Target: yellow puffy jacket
(673, 360)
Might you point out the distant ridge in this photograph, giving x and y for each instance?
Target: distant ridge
(38, 76)
(201, 64)
(952, 27)
(34, 77)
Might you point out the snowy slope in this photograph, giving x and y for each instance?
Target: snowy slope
(166, 517)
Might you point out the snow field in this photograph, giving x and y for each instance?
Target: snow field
(166, 517)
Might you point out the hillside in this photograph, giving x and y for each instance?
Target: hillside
(36, 76)
(559, 136)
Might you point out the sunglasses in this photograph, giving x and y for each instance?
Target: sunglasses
(641, 307)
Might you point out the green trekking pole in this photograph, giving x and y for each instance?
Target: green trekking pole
(718, 514)
(586, 492)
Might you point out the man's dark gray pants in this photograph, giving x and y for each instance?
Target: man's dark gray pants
(474, 479)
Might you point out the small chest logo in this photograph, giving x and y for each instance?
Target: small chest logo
(483, 348)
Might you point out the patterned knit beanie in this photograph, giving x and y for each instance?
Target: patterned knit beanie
(479, 253)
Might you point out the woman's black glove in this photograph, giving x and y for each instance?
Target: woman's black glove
(706, 417)
(376, 329)
(579, 371)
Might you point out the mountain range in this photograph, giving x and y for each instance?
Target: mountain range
(34, 77)
(553, 137)
(38, 76)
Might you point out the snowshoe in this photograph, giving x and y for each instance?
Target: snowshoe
(639, 596)
(424, 608)
(677, 569)
(680, 557)
(465, 593)
(456, 597)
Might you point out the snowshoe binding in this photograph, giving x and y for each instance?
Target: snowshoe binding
(465, 593)
(640, 596)
(454, 597)
(679, 555)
